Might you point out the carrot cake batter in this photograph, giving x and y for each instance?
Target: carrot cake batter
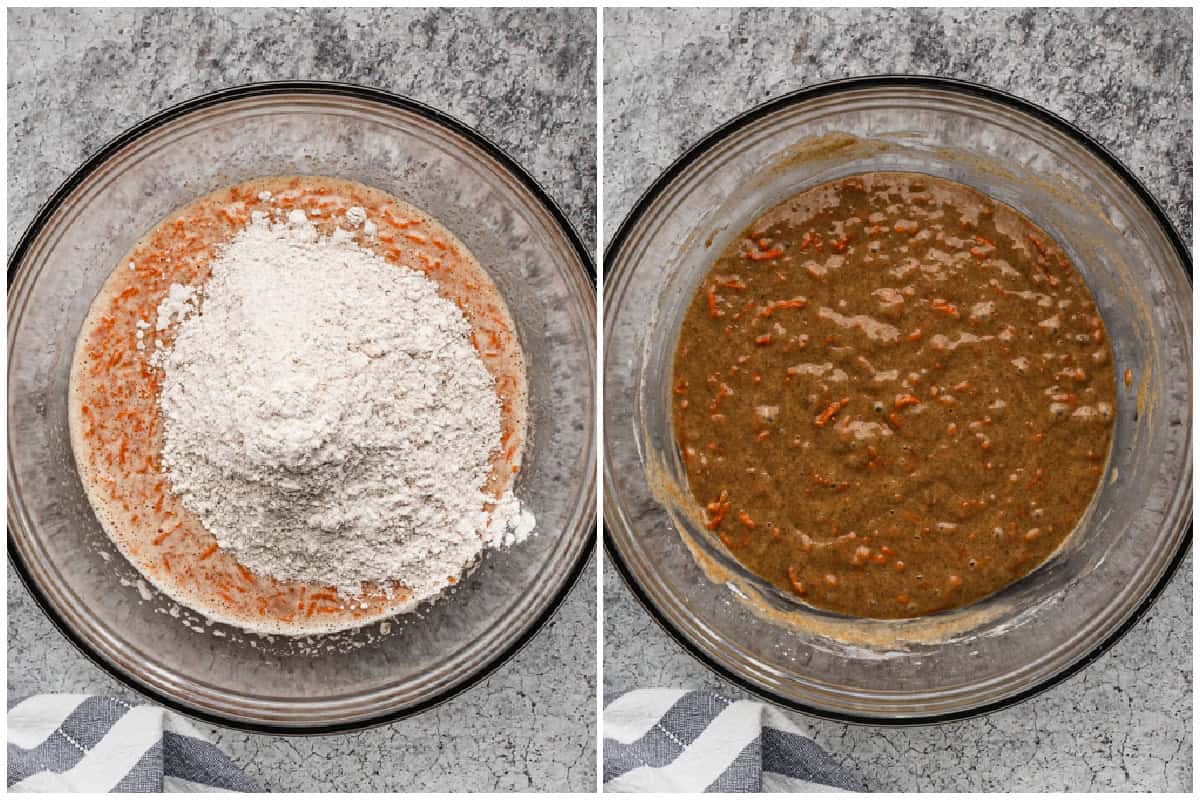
(893, 395)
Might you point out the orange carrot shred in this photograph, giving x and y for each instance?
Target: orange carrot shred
(775, 305)
(713, 311)
(766, 255)
(162, 537)
(831, 411)
(797, 584)
(944, 307)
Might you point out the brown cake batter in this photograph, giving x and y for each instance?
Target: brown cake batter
(893, 395)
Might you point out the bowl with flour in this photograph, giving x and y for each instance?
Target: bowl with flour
(301, 407)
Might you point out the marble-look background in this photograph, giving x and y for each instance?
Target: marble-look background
(1125, 77)
(524, 78)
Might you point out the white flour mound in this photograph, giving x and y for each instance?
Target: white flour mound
(327, 418)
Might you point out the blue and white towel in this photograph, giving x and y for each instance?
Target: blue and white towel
(83, 743)
(665, 740)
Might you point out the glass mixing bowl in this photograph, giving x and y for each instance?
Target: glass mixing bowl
(1039, 629)
(537, 262)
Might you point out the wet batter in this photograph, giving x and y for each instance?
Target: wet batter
(893, 395)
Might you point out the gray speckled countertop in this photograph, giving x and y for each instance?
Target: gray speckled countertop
(525, 79)
(1124, 77)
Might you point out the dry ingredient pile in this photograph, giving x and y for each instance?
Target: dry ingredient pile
(326, 415)
(298, 406)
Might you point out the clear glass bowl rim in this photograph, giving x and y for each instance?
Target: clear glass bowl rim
(207, 102)
(787, 101)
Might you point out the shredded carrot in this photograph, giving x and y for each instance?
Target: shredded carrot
(212, 548)
(775, 305)
(831, 411)
(763, 340)
(397, 222)
(162, 537)
(745, 519)
(713, 311)
(906, 400)
(944, 307)
(766, 255)
(717, 510)
(723, 391)
(715, 519)
(797, 584)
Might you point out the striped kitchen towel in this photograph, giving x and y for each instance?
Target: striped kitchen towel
(664, 740)
(83, 743)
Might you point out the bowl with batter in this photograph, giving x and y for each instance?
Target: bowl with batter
(296, 373)
(897, 400)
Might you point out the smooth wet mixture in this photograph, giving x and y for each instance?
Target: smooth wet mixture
(893, 396)
(117, 423)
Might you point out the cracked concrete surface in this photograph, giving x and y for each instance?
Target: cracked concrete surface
(524, 78)
(1125, 722)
